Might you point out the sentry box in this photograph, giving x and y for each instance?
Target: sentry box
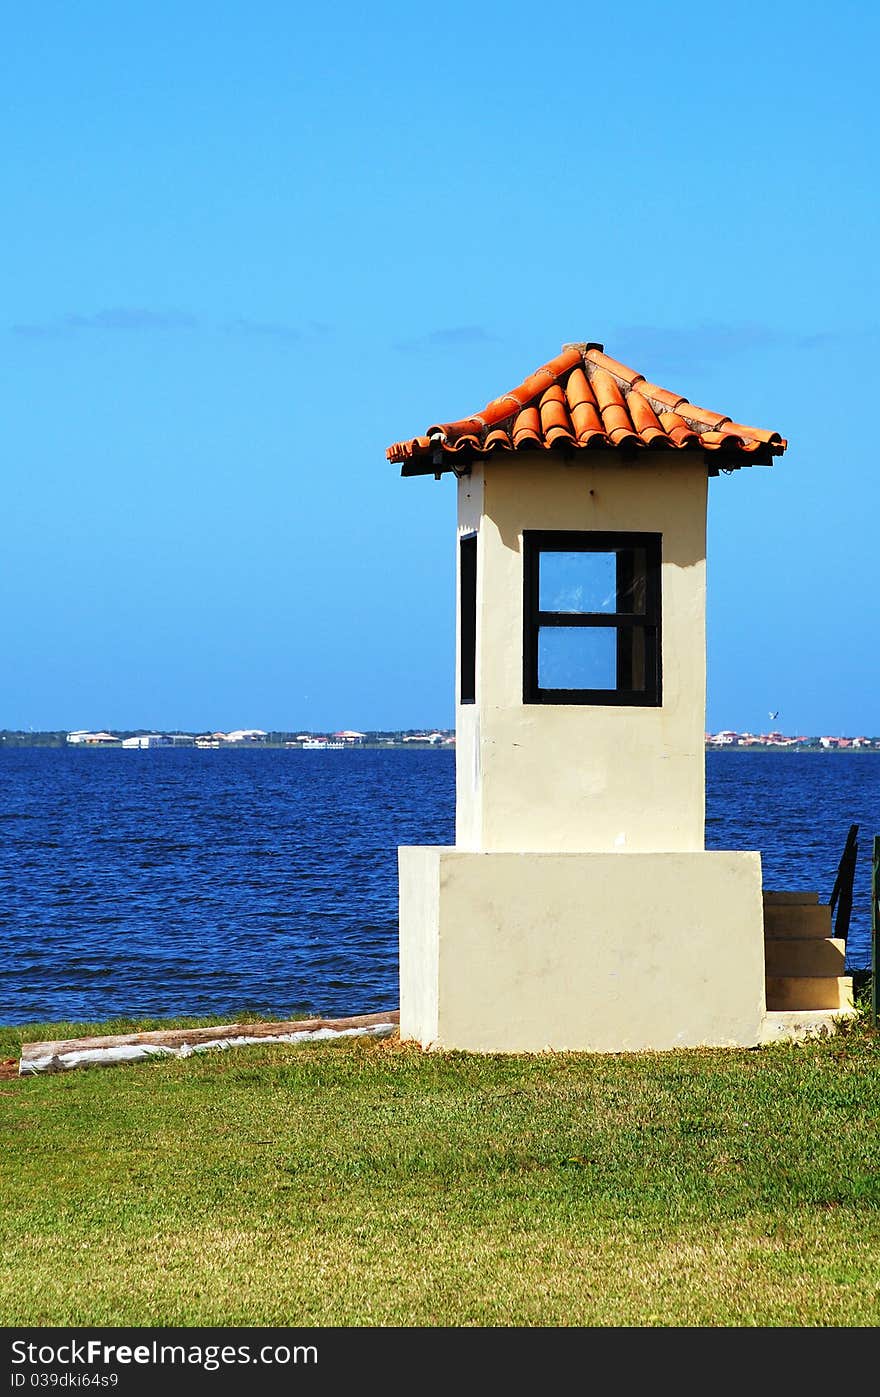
(579, 908)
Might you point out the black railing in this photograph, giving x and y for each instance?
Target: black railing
(842, 892)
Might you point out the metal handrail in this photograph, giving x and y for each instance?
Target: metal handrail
(842, 892)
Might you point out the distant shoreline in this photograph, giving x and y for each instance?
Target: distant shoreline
(12, 740)
(801, 752)
(50, 741)
(796, 751)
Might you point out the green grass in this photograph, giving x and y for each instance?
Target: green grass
(365, 1183)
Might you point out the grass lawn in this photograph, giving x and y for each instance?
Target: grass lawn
(364, 1183)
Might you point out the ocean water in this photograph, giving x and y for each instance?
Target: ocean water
(214, 882)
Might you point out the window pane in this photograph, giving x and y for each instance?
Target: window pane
(577, 657)
(602, 589)
(632, 581)
(577, 581)
(468, 618)
(632, 659)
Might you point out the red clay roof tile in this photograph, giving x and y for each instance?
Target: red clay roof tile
(585, 399)
(660, 397)
(678, 430)
(643, 415)
(555, 420)
(526, 425)
(497, 437)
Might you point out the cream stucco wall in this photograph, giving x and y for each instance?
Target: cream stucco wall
(590, 952)
(578, 778)
(419, 911)
(579, 909)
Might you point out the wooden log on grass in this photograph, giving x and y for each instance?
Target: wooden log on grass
(57, 1055)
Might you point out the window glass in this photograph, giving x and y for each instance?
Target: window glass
(577, 581)
(632, 578)
(572, 657)
(632, 666)
(468, 614)
(591, 617)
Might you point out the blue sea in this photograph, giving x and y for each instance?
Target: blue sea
(216, 882)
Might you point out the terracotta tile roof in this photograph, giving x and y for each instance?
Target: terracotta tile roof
(583, 400)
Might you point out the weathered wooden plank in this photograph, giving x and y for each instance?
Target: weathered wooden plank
(179, 1037)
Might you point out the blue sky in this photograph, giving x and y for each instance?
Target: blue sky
(248, 246)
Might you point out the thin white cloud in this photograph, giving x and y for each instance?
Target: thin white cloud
(275, 330)
(139, 320)
(680, 347)
(118, 318)
(455, 337)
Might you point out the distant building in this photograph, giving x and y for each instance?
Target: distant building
(243, 735)
(92, 739)
(147, 739)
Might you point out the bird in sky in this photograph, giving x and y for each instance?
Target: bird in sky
(775, 715)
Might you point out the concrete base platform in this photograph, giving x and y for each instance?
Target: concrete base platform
(604, 952)
(794, 1026)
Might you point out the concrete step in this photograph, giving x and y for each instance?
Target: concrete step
(786, 899)
(800, 992)
(793, 1026)
(797, 919)
(811, 956)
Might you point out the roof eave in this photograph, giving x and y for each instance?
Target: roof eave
(444, 462)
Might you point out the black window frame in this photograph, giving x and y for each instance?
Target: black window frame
(467, 593)
(538, 541)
